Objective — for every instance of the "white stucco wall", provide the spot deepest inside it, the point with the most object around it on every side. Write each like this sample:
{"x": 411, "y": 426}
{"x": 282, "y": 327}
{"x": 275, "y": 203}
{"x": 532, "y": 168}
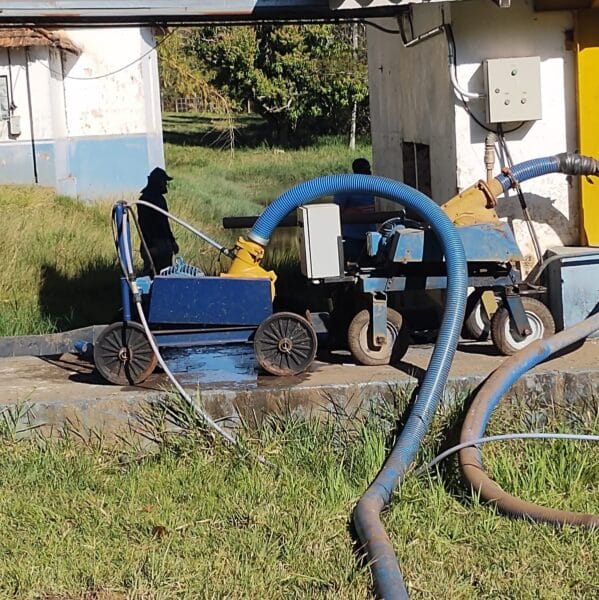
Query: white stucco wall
{"x": 99, "y": 104}
{"x": 96, "y": 117}
{"x": 409, "y": 94}
{"x": 412, "y": 99}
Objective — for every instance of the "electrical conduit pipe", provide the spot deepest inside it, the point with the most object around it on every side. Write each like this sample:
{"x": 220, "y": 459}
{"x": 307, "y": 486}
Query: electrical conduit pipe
{"x": 387, "y": 576}
{"x": 481, "y": 410}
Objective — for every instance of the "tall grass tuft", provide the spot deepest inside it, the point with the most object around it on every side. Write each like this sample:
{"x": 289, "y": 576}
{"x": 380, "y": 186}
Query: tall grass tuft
{"x": 59, "y": 269}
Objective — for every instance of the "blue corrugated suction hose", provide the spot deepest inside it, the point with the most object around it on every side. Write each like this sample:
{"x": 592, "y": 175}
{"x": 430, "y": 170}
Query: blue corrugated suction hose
{"x": 387, "y": 576}
{"x": 566, "y": 163}
{"x": 479, "y": 413}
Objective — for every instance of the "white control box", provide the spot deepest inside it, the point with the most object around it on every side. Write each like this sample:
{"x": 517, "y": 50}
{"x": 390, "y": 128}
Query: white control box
{"x": 513, "y": 89}
{"x": 321, "y": 244}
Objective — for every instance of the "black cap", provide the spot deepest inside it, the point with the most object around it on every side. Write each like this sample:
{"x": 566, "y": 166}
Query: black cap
{"x": 361, "y": 166}
{"x": 159, "y": 174}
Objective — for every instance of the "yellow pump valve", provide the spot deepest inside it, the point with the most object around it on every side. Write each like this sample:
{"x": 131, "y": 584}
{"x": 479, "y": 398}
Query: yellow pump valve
{"x": 248, "y": 256}
{"x": 475, "y": 204}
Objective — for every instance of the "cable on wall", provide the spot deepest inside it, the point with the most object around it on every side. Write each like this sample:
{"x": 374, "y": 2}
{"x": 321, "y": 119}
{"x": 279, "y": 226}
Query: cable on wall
{"x": 116, "y": 71}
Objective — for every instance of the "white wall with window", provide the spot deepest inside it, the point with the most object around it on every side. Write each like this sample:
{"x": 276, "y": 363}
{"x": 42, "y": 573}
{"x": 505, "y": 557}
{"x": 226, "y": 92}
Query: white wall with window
{"x": 414, "y": 106}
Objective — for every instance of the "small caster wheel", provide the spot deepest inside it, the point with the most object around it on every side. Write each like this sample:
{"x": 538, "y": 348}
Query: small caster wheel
{"x": 507, "y": 340}
{"x": 477, "y": 324}
{"x": 398, "y": 339}
{"x": 123, "y": 355}
{"x": 285, "y": 344}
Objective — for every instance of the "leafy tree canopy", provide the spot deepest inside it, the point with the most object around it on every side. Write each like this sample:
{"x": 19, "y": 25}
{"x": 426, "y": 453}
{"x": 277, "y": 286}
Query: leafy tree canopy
{"x": 181, "y": 74}
{"x": 290, "y": 74}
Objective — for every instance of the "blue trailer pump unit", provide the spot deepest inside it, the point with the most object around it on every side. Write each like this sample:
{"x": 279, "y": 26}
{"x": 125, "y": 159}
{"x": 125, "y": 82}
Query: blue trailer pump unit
{"x": 369, "y": 303}
{"x": 184, "y": 307}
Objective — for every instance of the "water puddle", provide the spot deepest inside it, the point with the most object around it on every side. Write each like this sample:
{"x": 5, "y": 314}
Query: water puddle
{"x": 231, "y": 364}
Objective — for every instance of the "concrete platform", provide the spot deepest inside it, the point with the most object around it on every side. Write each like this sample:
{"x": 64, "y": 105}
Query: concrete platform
{"x": 49, "y": 393}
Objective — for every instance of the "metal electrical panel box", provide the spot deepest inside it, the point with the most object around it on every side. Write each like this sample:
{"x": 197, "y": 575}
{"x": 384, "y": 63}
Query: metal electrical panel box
{"x": 513, "y": 89}
{"x": 321, "y": 244}
{"x": 573, "y": 283}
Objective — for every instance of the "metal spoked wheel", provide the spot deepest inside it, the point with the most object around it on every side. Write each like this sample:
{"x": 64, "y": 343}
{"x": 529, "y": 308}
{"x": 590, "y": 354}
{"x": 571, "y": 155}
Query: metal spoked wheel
{"x": 507, "y": 340}
{"x": 123, "y": 355}
{"x": 285, "y": 344}
{"x": 398, "y": 339}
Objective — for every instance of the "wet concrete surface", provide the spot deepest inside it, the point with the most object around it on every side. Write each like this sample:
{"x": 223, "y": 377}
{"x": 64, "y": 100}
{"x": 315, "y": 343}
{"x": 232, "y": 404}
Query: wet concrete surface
{"x": 59, "y": 390}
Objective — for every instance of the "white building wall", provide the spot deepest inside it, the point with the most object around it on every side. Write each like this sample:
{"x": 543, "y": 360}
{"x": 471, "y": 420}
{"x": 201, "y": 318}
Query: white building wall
{"x": 17, "y": 163}
{"x": 99, "y": 104}
{"x": 409, "y": 96}
{"x": 415, "y": 100}
{"x": 519, "y": 31}
{"x": 151, "y": 92}
{"x": 96, "y": 117}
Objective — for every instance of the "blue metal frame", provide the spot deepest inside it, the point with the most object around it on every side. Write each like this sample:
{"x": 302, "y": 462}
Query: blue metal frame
{"x": 123, "y": 246}
{"x": 401, "y": 283}
{"x": 206, "y": 337}
{"x": 409, "y": 258}
{"x": 517, "y": 314}
{"x": 487, "y": 242}
{"x": 378, "y": 328}
{"x": 186, "y": 310}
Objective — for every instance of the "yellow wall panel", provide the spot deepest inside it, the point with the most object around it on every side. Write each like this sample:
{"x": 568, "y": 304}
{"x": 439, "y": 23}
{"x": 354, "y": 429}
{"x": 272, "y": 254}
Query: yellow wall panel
{"x": 587, "y": 51}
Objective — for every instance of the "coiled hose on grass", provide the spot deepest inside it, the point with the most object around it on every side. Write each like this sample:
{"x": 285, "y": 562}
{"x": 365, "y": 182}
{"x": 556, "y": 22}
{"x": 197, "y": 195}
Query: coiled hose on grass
{"x": 514, "y": 367}
{"x": 479, "y": 413}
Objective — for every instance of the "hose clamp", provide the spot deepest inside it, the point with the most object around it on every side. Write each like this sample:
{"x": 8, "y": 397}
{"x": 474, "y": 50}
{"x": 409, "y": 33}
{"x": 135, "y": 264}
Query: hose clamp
{"x": 508, "y": 173}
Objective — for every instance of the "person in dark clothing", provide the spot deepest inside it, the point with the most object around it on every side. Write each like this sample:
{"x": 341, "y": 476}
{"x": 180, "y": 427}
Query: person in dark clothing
{"x": 155, "y": 227}
{"x": 355, "y": 203}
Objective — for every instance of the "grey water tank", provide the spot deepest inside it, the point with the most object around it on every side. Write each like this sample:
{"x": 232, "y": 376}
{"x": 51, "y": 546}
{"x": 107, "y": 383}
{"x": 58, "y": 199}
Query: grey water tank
{"x": 573, "y": 284}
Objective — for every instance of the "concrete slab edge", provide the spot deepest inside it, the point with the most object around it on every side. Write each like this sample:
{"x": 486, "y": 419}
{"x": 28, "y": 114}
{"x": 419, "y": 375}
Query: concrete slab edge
{"x": 122, "y": 414}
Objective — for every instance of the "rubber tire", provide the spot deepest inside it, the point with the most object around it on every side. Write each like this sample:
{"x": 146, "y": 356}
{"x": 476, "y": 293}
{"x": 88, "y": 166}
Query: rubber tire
{"x": 500, "y": 326}
{"x": 108, "y": 347}
{"x": 357, "y": 337}
{"x": 477, "y": 325}
{"x": 268, "y": 338}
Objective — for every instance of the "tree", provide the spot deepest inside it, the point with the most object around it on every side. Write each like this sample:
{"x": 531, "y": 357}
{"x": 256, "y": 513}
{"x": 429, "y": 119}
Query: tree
{"x": 293, "y": 75}
{"x": 181, "y": 74}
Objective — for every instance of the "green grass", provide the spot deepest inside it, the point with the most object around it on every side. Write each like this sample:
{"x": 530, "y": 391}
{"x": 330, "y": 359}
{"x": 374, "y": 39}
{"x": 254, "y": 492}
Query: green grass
{"x": 193, "y": 519}
{"x": 59, "y": 269}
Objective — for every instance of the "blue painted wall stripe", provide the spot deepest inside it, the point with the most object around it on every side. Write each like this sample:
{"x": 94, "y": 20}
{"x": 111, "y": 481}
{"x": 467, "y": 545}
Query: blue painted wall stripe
{"x": 99, "y": 167}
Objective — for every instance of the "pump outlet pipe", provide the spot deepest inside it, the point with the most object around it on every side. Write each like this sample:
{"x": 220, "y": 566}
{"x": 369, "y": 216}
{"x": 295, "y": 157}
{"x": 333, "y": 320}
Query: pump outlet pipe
{"x": 476, "y": 204}
{"x": 482, "y": 408}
